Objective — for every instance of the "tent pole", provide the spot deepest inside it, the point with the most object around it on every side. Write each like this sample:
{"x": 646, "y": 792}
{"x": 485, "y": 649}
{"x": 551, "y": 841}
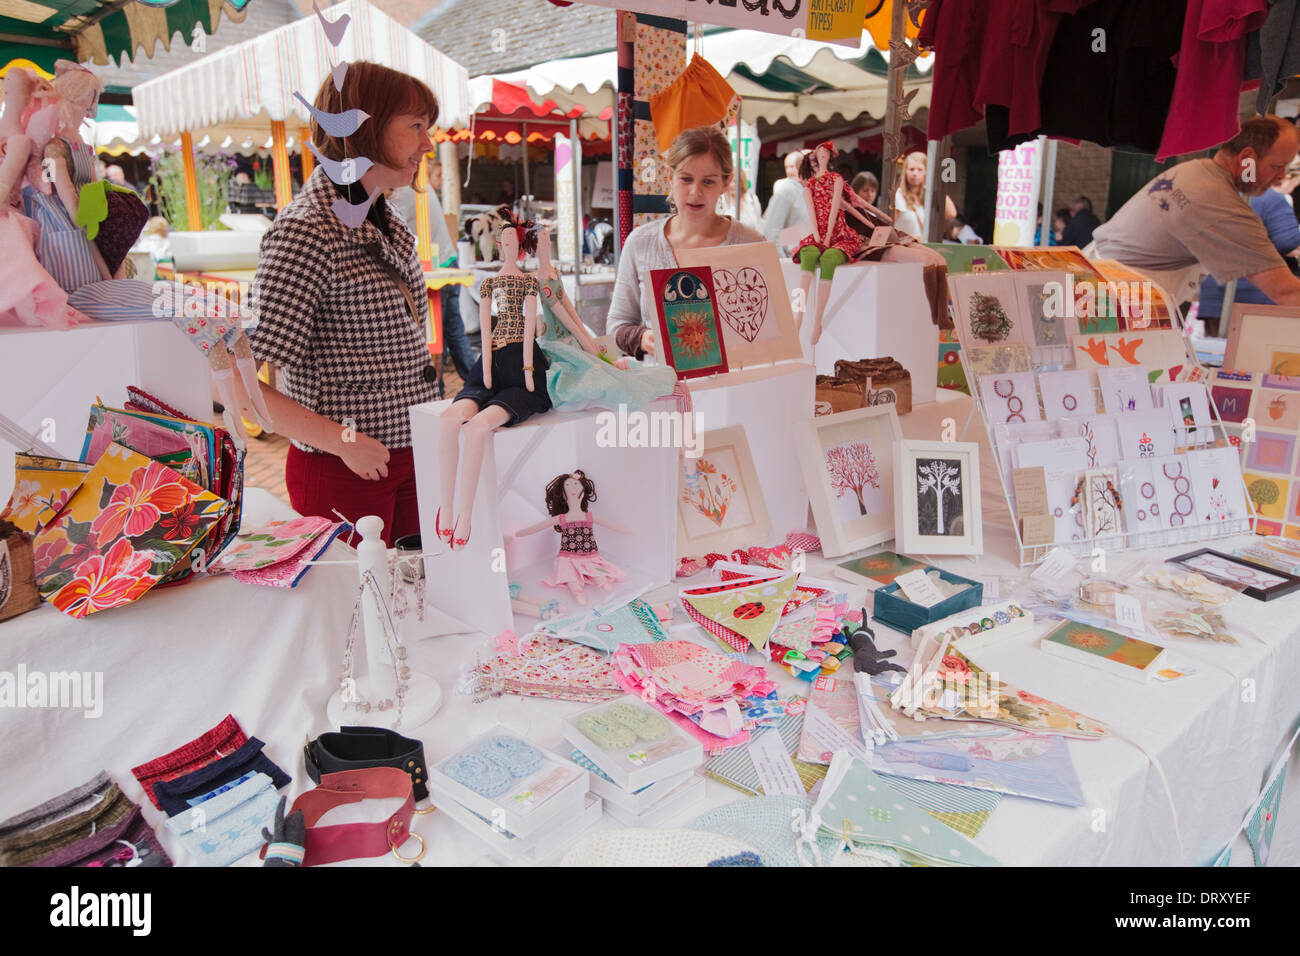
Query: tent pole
{"x": 893, "y": 101}
{"x": 308, "y": 160}
{"x": 1049, "y": 188}
{"x": 575, "y": 164}
{"x": 739, "y": 171}
{"x": 280, "y": 165}
{"x": 450, "y": 177}
{"x": 523, "y": 128}
{"x": 423, "y": 240}
{"x": 192, "y": 210}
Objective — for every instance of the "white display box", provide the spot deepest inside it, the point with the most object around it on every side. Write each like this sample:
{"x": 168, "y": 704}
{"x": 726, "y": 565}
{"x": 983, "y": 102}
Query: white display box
{"x": 552, "y": 794}
{"x": 876, "y": 309}
{"x": 52, "y": 377}
{"x": 682, "y": 797}
{"x": 635, "y": 801}
{"x": 642, "y": 762}
{"x": 769, "y": 400}
{"x": 635, "y": 487}
{"x": 534, "y": 850}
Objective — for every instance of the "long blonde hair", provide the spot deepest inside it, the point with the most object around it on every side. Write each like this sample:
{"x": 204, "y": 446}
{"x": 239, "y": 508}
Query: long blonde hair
{"x": 915, "y": 199}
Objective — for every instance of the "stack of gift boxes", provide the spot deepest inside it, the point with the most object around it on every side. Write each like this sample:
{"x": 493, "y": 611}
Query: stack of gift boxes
{"x": 642, "y": 765}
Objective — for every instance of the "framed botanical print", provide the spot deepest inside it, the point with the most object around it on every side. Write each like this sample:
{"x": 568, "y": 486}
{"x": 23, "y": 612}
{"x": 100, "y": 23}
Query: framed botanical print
{"x": 937, "y": 498}
{"x": 720, "y": 505}
{"x": 752, "y": 302}
{"x": 1253, "y": 580}
{"x": 690, "y": 338}
{"x": 1263, "y": 338}
{"x": 848, "y": 469}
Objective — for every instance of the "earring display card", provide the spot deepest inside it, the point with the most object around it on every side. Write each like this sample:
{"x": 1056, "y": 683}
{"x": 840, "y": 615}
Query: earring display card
{"x": 1067, "y": 393}
{"x": 1217, "y": 487}
{"x": 1145, "y": 435}
{"x": 1010, "y": 399}
{"x": 1101, "y": 434}
{"x": 996, "y": 359}
{"x": 1188, "y": 407}
{"x": 1174, "y": 491}
{"x": 1103, "y": 504}
{"x": 1125, "y": 389}
{"x": 1142, "y": 511}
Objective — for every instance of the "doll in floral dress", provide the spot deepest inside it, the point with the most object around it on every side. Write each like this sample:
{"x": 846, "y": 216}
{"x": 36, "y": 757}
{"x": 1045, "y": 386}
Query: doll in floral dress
{"x": 578, "y": 563}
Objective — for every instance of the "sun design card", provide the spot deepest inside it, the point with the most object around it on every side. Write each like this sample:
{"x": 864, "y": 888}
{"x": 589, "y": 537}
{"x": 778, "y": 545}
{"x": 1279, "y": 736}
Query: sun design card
{"x": 690, "y": 337}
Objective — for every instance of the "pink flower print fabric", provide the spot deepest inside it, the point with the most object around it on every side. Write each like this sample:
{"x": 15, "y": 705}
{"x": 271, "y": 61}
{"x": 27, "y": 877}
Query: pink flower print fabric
{"x": 536, "y": 666}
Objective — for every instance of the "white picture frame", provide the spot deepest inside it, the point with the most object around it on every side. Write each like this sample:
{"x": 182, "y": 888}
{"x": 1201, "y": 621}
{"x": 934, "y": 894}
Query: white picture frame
{"x": 730, "y": 510}
{"x": 848, "y": 464}
{"x": 952, "y": 472}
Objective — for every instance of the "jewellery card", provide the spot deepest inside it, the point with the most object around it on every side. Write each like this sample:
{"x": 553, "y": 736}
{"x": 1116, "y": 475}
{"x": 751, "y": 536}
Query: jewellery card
{"x": 1217, "y": 487}
{"x": 1103, "y": 503}
{"x": 1188, "y": 407}
{"x": 1174, "y": 491}
{"x": 1125, "y": 389}
{"x": 1101, "y": 434}
{"x": 1142, "y": 510}
{"x": 1010, "y": 399}
{"x": 996, "y": 359}
{"x": 1145, "y": 435}
{"x": 1067, "y": 393}
{"x": 1048, "y": 314}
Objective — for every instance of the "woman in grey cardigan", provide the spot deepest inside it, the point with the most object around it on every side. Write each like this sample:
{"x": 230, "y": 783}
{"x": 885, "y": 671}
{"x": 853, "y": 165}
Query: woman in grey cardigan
{"x": 701, "y": 163}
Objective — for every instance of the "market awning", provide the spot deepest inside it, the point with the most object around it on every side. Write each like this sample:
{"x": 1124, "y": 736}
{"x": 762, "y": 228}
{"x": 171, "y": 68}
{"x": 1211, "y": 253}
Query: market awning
{"x": 44, "y": 31}
{"x": 236, "y": 93}
{"x": 780, "y": 78}
{"x": 502, "y": 107}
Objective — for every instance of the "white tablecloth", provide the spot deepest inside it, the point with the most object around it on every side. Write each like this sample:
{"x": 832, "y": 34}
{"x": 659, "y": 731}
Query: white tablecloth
{"x": 178, "y": 661}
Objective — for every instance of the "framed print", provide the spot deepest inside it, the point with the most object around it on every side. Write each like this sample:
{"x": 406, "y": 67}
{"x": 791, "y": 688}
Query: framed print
{"x": 752, "y": 302}
{"x": 1232, "y": 393}
{"x": 937, "y": 498}
{"x": 986, "y": 310}
{"x": 690, "y": 339}
{"x": 1263, "y": 338}
{"x": 848, "y": 469}
{"x": 1254, "y": 580}
{"x": 720, "y": 505}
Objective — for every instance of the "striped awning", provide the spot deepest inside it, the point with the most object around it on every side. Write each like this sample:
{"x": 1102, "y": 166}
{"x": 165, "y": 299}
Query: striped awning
{"x": 43, "y": 31}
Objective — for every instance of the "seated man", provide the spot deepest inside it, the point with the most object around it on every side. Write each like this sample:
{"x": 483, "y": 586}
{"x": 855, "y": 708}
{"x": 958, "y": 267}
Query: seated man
{"x": 1197, "y": 213}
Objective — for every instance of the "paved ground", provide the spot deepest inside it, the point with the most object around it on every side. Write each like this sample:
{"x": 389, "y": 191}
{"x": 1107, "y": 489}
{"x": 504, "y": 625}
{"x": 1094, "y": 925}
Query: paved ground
{"x": 264, "y": 464}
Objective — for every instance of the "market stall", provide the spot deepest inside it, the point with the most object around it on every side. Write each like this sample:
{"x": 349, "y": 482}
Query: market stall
{"x": 1043, "y": 624}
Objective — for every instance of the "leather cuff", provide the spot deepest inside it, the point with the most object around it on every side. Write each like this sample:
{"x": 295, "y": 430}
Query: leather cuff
{"x": 363, "y": 748}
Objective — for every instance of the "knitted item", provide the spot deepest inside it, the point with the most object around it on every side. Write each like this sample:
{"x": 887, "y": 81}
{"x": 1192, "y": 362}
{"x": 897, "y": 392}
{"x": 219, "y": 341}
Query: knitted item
{"x": 485, "y": 777}
{"x": 740, "y": 859}
{"x": 521, "y": 759}
{"x": 645, "y": 723}
{"x": 287, "y": 845}
{"x": 661, "y": 848}
{"x": 606, "y": 734}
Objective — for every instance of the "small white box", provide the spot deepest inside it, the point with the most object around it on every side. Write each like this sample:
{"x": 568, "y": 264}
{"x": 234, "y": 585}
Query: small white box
{"x": 529, "y": 804}
{"x": 649, "y": 755}
{"x": 632, "y": 801}
{"x": 680, "y": 798}
{"x": 523, "y": 850}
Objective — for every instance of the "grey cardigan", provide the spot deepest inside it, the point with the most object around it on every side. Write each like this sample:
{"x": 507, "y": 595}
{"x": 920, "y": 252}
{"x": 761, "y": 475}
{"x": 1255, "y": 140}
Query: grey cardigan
{"x": 647, "y": 248}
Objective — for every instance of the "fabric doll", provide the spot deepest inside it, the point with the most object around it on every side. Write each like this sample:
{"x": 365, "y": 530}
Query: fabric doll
{"x": 501, "y": 389}
{"x": 28, "y": 293}
{"x": 833, "y": 240}
{"x": 578, "y": 562}
{"x": 580, "y": 375}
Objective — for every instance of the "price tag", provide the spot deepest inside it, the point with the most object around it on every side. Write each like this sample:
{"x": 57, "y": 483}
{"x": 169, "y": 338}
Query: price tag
{"x": 990, "y": 588}
{"x": 1057, "y": 564}
{"x": 919, "y": 588}
{"x": 830, "y": 735}
{"x": 1128, "y": 612}
{"x": 776, "y": 773}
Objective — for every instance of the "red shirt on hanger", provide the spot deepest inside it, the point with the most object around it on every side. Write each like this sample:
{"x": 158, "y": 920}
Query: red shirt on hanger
{"x": 1211, "y": 65}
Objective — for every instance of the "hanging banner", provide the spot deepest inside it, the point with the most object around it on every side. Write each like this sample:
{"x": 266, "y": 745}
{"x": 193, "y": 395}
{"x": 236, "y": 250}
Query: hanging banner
{"x": 748, "y": 135}
{"x": 1019, "y": 174}
{"x": 565, "y": 198}
{"x": 831, "y": 21}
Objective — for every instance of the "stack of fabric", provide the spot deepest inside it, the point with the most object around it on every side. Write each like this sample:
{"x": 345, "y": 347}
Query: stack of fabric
{"x": 218, "y": 791}
{"x": 700, "y": 690}
{"x": 94, "y": 824}
{"x": 540, "y": 666}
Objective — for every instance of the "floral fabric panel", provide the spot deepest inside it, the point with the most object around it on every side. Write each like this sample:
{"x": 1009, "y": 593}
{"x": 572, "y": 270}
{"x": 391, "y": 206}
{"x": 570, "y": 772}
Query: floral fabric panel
{"x": 537, "y": 666}
{"x": 42, "y": 486}
{"x": 131, "y": 521}
{"x": 288, "y": 572}
{"x": 278, "y": 541}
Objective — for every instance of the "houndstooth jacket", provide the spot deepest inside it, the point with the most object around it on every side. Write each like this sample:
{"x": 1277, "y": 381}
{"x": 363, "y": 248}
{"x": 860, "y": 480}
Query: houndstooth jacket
{"x": 326, "y": 312}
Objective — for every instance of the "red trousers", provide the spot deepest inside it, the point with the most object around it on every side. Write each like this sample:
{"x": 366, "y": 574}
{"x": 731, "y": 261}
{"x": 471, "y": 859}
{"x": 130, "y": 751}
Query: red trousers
{"x": 320, "y": 484}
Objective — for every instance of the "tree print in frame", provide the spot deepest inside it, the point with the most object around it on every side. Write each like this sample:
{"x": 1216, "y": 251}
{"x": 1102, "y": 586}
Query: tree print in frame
{"x": 937, "y": 502}
{"x": 690, "y": 336}
{"x": 720, "y": 504}
{"x": 847, "y": 460}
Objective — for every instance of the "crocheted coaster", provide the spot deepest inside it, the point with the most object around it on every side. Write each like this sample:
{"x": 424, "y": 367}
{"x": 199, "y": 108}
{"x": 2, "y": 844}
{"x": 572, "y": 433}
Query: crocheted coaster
{"x": 485, "y": 777}
{"x": 642, "y": 721}
{"x": 520, "y": 759}
{"x": 605, "y": 733}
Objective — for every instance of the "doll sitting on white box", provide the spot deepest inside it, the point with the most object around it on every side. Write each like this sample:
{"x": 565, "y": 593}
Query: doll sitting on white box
{"x": 578, "y": 563}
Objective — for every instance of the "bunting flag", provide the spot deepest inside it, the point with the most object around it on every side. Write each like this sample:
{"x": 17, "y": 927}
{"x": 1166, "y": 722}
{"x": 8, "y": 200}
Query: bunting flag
{"x": 741, "y": 613}
{"x": 1262, "y": 821}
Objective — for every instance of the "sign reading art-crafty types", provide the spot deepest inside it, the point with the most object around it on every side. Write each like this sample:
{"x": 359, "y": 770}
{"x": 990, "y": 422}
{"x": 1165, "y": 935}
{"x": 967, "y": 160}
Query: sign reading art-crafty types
{"x": 1019, "y": 172}
{"x": 832, "y": 21}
